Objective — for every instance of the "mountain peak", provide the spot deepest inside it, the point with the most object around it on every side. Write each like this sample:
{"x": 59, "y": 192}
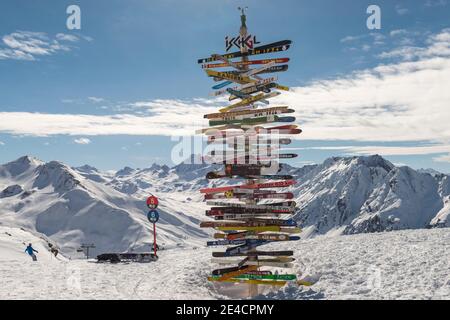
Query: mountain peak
{"x": 86, "y": 169}
{"x": 125, "y": 171}
{"x": 342, "y": 195}
{"x": 21, "y": 165}
{"x": 430, "y": 171}
{"x": 155, "y": 166}
{"x": 24, "y": 159}
{"x": 376, "y": 161}
{"x": 27, "y": 160}
{"x": 57, "y": 174}
{"x": 371, "y": 161}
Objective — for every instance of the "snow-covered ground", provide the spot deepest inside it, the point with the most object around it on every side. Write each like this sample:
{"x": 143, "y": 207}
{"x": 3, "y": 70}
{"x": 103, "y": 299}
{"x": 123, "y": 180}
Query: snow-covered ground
{"x": 72, "y": 206}
{"x": 410, "y": 264}
{"x": 58, "y": 201}
{"x": 66, "y": 207}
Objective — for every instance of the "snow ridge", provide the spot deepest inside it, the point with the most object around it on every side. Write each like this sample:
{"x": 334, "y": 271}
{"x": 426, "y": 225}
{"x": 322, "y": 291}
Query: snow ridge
{"x": 343, "y": 195}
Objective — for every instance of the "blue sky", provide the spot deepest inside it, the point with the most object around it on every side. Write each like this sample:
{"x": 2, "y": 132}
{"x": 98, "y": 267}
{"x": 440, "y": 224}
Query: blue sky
{"x": 113, "y": 93}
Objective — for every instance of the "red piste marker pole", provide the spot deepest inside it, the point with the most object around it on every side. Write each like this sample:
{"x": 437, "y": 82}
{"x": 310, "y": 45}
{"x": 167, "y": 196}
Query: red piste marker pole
{"x": 153, "y": 217}
{"x": 154, "y": 238}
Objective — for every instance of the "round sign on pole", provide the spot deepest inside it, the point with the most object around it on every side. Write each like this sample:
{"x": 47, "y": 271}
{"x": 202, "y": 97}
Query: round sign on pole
{"x": 153, "y": 216}
{"x": 152, "y": 202}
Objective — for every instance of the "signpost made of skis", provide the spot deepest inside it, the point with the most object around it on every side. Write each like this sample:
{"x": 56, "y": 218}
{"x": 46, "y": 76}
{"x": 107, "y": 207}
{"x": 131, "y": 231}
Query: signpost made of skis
{"x": 251, "y": 213}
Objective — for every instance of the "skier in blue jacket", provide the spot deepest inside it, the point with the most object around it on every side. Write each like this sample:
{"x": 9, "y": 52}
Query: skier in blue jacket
{"x": 31, "y": 252}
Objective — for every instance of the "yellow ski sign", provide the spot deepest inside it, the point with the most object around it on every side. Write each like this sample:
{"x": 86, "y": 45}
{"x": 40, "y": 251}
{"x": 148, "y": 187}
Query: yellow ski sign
{"x": 250, "y": 100}
{"x": 231, "y": 77}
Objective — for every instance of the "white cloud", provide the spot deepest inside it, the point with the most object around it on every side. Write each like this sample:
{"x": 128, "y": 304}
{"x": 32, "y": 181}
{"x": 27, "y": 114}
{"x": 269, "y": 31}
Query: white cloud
{"x": 305, "y": 163}
{"x": 393, "y": 150}
{"x": 365, "y": 47}
{"x": 400, "y": 102}
{"x": 15, "y": 55}
{"x": 2, "y": 143}
{"x": 401, "y": 10}
{"x": 396, "y": 150}
{"x": 406, "y": 42}
{"x": 405, "y": 52}
{"x": 438, "y": 46}
{"x": 436, "y": 3}
{"x": 180, "y": 122}
{"x": 351, "y": 38}
{"x": 27, "y": 45}
{"x": 82, "y": 141}
{"x": 87, "y": 38}
{"x": 96, "y": 99}
{"x": 344, "y": 148}
{"x": 363, "y": 42}
{"x": 377, "y": 37}
{"x": 67, "y": 37}
{"x": 406, "y": 38}
{"x": 398, "y": 32}
{"x": 443, "y": 158}
{"x": 405, "y": 101}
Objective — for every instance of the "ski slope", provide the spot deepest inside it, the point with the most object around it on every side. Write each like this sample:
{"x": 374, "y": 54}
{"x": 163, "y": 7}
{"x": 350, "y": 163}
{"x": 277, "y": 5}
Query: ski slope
{"x": 60, "y": 202}
{"x": 13, "y": 242}
{"x": 409, "y": 264}
{"x": 72, "y": 206}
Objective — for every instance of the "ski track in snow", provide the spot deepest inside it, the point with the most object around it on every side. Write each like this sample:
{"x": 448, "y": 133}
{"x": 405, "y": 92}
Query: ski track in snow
{"x": 412, "y": 264}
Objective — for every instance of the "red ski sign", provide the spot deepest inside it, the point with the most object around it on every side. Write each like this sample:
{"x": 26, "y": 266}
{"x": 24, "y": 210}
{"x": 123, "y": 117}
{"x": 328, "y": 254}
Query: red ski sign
{"x": 152, "y": 202}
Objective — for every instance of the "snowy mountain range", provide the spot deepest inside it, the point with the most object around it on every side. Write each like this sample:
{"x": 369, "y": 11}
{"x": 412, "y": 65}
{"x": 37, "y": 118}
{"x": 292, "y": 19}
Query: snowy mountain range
{"x": 340, "y": 196}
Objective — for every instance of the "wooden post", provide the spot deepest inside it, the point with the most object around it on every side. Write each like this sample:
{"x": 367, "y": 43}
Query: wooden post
{"x": 253, "y": 288}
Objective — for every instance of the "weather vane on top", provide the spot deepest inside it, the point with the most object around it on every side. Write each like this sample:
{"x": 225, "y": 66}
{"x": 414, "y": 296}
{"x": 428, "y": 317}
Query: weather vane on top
{"x": 243, "y": 41}
{"x": 243, "y": 17}
{"x": 242, "y": 10}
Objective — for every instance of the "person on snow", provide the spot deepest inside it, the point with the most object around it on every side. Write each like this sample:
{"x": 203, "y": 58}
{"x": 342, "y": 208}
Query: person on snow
{"x": 31, "y": 252}
{"x": 53, "y": 249}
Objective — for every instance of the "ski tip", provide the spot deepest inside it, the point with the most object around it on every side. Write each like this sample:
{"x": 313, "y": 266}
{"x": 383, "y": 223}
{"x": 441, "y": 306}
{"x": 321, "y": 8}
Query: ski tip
{"x": 286, "y": 119}
{"x": 212, "y": 175}
{"x": 304, "y": 283}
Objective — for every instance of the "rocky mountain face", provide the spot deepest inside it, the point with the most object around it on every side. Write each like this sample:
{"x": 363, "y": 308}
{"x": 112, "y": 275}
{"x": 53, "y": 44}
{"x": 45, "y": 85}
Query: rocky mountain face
{"x": 340, "y": 196}
{"x": 369, "y": 194}
{"x": 74, "y": 206}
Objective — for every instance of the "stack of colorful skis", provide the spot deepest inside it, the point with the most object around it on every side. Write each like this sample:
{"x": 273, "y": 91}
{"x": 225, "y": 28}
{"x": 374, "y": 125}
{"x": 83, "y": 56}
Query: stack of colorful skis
{"x": 251, "y": 213}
